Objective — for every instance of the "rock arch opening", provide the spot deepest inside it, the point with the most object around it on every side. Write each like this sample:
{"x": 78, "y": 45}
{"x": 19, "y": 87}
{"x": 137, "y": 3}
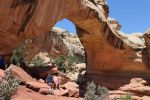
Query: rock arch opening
{"x": 57, "y": 46}
{"x": 75, "y": 53}
{"x": 107, "y": 49}
{"x": 67, "y": 25}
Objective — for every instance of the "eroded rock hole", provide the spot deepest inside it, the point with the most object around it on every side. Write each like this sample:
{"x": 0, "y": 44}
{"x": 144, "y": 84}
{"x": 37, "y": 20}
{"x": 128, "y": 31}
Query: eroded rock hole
{"x": 58, "y": 51}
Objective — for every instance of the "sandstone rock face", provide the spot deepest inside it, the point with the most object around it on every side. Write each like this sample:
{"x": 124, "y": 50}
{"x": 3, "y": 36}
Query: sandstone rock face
{"x": 60, "y": 92}
{"x": 55, "y": 42}
{"x": 2, "y": 73}
{"x": 21, "y": 74}
{"x": 79, "y": 70}
{"x": 71, "y": 41}
{"x": 146, "y": 51}
{"x": 44, "y": 56}
{"x": 137, "y": 88}
{"x": 51, "y": 42}
{"x": 40, "y": 86}
{"x": 73, "y": 90}
{"x": 41, "y": 72}
{"x": 24, "y": 93}
{"x": 35, "y": 85}
{"x": 106, "y": 48}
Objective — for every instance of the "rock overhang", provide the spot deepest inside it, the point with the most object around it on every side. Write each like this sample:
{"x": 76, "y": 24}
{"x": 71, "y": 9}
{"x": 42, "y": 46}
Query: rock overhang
{"x": 98, "y": 37}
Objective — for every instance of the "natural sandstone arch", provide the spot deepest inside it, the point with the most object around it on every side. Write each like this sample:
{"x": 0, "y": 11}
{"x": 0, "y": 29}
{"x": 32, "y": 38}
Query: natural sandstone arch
{"x": 106, "y": 49}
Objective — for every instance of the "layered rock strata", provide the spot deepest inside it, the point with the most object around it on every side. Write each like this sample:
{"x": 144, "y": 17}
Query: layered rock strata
{"x": 106, "y": 48}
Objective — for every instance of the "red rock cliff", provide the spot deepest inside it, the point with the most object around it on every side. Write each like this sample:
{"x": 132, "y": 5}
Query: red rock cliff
{"x": 107, "y": 49}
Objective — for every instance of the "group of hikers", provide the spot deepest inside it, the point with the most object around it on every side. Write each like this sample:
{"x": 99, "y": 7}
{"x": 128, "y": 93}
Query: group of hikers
{"x": 53, "y": 82}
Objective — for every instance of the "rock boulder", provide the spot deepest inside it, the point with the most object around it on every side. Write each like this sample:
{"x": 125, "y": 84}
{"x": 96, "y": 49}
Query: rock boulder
{"x": 21, "y": 74}
{"x": 2, "y": 73}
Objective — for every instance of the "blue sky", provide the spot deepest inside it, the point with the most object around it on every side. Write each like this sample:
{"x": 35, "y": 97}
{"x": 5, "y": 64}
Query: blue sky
{"x": 133, "y": 15}
{"x": 66, "y": 24}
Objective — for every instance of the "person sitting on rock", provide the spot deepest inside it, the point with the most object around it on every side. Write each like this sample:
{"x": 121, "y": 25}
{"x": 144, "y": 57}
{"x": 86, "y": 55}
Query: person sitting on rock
{"x": 49, "y": 80}
{"x": 57, "y": 81}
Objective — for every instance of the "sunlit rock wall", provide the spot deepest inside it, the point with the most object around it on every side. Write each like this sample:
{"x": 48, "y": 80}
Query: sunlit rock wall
{"x": 106, "y": 48}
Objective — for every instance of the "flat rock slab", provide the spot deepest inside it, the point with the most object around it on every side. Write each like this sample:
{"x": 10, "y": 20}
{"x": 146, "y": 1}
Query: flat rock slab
{"x": 21, "y": 74}
{"x": 24, "y": 93}
{"x": 35, "y": 85}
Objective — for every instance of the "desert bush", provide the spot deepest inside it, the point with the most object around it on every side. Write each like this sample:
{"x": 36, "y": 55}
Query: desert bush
{"x": 94, "y": 93}
{"x": 8, "y": 86}
{"x": 60, "y": 62}
{"x": 126, "y": 97}
{"x": 65, "y": 63}
{"x": 76, "y": 59}
{"x": 17, "y": 56}
{"x": 38, "y": 61}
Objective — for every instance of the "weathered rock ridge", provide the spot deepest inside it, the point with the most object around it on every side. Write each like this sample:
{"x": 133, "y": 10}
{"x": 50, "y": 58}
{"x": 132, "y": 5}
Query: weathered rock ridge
{"x": 71, "y": 41}
{"x": 56, "y": 42}
{"x": 106, "y": 48}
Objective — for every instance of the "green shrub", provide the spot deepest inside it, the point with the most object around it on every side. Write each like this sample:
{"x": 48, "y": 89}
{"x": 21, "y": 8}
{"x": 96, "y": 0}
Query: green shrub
{"x": 100, "y": 93}
{"x": 38, "y": 61}
{"x": 94, "y": 93}
{"x": 8, "y": 86}
{"x": 17, "y": 56}
{"x": 60, "y": 62}
{"x": 76, "y": 59}
{"x": 65, "y": 63}
{"x": 90, "y": 93}
{"x": 126, "y": 97}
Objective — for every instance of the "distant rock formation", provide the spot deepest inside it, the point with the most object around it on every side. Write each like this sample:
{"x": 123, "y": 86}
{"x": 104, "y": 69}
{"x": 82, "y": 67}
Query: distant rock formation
{"x": 71, "y": 41}
{"x": 146, "y": 51}
{"x": 56, "y": 42}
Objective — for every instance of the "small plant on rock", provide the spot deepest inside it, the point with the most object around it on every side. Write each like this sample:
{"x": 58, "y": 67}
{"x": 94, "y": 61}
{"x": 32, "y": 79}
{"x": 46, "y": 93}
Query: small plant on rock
{"x": 60, "y": 61}
{"x": 38, "y": 61}
{"x": 101, "y": 93}
{"x": 65, "y": 63}
{"x": 8, "y": 86}
{"x": 76, "y": 59}
{"x": 126, "y": 97}
{"x": 17, "y": 56}
{"x": 90, "y": 93}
